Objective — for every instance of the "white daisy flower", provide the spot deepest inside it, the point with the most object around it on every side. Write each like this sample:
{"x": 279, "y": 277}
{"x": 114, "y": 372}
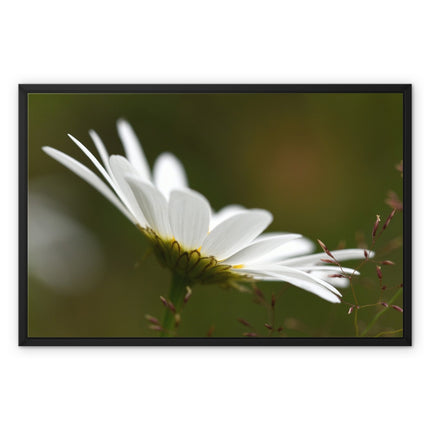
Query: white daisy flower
{"x": 196, "y": 244}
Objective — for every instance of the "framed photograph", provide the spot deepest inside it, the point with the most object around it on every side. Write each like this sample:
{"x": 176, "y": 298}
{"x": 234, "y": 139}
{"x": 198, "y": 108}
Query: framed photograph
{"x": 215, "y": 215}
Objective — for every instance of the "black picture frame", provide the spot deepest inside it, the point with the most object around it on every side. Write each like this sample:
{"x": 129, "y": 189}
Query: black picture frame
{"x": 26, "y": 89}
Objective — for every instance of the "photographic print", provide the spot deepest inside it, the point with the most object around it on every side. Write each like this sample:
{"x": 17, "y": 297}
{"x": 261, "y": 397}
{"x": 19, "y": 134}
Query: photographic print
{"x": 215, "y": 215}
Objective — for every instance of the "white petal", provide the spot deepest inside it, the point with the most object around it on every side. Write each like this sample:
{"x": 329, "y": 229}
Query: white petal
{"x": 101, "y": 150}
{"x": 259, "y": 248}
{"x": 269, "y": 235}
{"x": 122, "y": 188}
{"x": 235, "y": 233}
{"x": 300, "y": 279}
{"x": 94, "y": 160}
{"x": 88, "y": 176}
{"x": 336, "y": 282}
{"x": 291, "y": 271}
{"x": 133, "y": 149}
{"x": 225, "y": 213}
{"x": 296, "y": 247}
{"x": 331, "y": 269}
{"x": 121, "y": 169}
{"x": 340, "y": 255}
{"x": 189, "y": 214}
{"x": 310, "y": 287}
{"x": 153, "y": 205}
{"x": 169, "y": 174}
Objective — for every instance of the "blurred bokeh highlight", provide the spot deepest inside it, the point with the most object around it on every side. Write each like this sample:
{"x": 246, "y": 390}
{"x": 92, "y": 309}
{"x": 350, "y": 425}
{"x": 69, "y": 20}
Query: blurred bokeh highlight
{"x": 321, "y": 163}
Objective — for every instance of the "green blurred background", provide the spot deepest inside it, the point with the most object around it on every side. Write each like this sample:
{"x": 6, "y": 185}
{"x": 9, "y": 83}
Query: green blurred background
{"x": 321, "y": 163}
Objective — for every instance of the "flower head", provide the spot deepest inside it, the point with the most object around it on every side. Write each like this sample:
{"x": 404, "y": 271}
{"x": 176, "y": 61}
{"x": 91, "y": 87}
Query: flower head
{"x": 198, "y": 244}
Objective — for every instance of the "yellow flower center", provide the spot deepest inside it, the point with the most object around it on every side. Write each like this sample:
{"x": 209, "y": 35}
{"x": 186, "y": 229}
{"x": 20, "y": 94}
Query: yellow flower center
{"x": 191, "y": 265}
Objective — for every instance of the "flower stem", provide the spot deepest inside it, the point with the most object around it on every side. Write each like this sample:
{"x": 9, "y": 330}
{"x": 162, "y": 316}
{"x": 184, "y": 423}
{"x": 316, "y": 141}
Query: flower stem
{"x": 176, "y": 298}
{"x": 376, "y": 317}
